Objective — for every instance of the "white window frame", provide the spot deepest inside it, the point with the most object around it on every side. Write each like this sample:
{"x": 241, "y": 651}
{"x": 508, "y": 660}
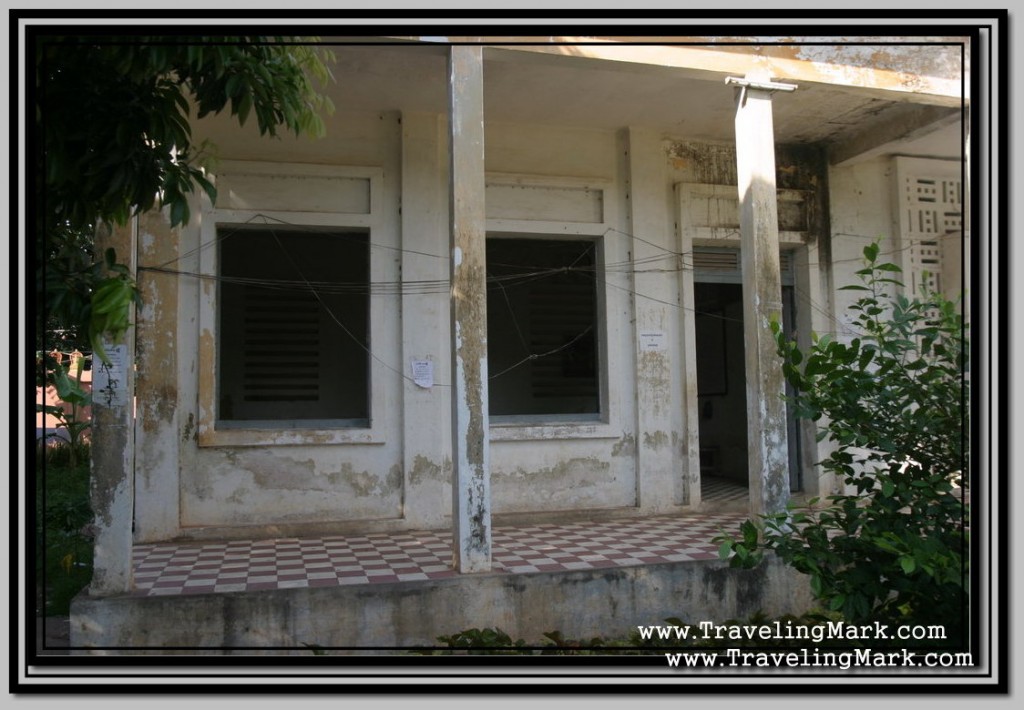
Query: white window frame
{"x": 546, "y": 222}
{"x": 211, "y": 432}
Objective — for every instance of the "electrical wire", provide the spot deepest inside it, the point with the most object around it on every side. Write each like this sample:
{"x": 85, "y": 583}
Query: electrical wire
{"x": 679, "y": 262}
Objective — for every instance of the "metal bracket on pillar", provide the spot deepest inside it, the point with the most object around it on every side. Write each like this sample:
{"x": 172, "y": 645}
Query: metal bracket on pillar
{"x": 744, "y": 84}
{"x": 760, "y": 85}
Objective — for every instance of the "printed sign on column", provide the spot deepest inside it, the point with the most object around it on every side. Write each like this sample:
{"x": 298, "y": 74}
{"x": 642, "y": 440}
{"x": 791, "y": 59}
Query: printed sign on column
{"x": 110, "y": 381}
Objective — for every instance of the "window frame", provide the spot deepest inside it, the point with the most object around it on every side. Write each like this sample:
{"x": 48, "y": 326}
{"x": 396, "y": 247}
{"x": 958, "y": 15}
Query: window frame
{"x": 286, "y": 232}
{"x": 211, "y": 431}
{"x": 600, "y": 330}
{"x": 549, "y": 220}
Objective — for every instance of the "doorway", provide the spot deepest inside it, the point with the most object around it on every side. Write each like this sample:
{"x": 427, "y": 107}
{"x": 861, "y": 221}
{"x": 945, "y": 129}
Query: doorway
{"x": 722, "y": 384}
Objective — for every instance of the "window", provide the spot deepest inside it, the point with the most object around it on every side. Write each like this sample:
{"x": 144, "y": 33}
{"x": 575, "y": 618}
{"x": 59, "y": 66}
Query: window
{"x": 542, "y": 344}
{"x": 294, "y": 327}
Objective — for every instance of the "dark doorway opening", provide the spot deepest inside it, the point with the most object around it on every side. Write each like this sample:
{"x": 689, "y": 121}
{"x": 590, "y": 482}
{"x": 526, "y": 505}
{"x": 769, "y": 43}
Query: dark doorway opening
{"x": 721, "y": 390}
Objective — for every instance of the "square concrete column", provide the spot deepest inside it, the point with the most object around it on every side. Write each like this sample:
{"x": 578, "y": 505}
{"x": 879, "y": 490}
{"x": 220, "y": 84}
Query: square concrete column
{"x": 658, "y": 380}
{"x": 427, "y": 437}
{"x": 471, "y": 490}
{"x": 112, "y": 479}
{"x": 767, "y": 434}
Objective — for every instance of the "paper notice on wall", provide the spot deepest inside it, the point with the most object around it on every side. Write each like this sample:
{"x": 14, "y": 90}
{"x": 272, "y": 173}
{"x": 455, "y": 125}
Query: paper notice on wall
{"x": 110, "y": 380}
{"x": 652, "y": 341}
{"x": 423, "y": 373}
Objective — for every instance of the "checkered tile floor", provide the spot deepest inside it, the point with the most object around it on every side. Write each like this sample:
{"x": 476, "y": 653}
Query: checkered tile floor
{"x": 407, "y": 557}
{"x": 721, "y": 490}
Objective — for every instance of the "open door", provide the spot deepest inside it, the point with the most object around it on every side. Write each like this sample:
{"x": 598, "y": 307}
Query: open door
{"x": 721, "y": 376}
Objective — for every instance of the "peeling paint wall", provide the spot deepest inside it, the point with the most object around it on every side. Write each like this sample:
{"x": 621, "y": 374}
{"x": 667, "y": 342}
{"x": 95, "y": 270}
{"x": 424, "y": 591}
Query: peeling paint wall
{"x": 565, "y": 475}
{"x": 159, "y": 414}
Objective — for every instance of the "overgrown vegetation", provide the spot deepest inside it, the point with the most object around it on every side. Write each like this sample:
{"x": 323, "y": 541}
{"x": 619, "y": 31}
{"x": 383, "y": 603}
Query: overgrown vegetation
{"x": 63, "y": 545}
{"x": 893, "y": 545}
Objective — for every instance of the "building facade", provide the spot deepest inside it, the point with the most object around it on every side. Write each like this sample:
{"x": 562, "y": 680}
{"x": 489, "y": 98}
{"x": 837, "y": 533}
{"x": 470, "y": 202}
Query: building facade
{"x": 523, "y": 282}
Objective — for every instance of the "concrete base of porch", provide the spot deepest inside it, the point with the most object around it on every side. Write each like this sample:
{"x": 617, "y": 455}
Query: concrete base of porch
{"x": 394, "y": 618}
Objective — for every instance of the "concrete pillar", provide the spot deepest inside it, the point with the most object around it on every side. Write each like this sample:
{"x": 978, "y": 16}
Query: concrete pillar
{"x": 113, "y": 442}
{"x": 660, "y": 483}
{"x": 427, "y": 437}
{"x": 762, "y": 293}
{"x": 688, "y": 353}
{"x": 162, "y": 424}
{"x": 471, "y": 497}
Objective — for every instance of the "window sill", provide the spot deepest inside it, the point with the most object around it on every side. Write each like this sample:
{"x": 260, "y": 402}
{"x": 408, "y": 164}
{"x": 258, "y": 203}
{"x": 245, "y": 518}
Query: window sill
{"x": 519, "y": 429}
{"x": 286, "y": 434}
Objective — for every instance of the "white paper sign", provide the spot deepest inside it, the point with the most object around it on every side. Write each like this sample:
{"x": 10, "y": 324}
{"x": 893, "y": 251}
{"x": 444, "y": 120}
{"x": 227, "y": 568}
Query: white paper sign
{"x": 110, "y": 382}
{"x": 652, "y": 341}
{"x": 423, "y": 373}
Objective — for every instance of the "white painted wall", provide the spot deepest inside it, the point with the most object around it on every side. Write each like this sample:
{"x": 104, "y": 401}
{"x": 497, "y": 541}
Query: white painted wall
{"x": 862, "y": 211}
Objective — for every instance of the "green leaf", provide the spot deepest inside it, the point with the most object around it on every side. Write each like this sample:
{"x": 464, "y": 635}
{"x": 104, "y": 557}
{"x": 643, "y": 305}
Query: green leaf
{"x": 908, "y": 564}
{"x": 244, "y": 107}
{"x": 179, "y": 211}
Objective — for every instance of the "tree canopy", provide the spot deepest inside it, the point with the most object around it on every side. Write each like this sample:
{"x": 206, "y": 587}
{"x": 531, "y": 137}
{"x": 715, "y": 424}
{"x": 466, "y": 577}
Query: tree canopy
{"x": 113, "y": 124}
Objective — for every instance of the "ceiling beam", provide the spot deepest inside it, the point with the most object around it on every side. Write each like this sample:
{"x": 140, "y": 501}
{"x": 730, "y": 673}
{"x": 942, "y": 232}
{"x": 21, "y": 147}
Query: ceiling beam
{"x": 890, "y": 68}
{"x": 905, "y": 123}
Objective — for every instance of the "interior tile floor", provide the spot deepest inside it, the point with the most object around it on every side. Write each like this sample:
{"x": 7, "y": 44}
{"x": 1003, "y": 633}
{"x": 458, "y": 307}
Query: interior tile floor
{"x": 717, "y": 489}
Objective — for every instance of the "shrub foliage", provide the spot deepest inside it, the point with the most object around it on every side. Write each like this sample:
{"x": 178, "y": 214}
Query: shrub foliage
{"x": 892, "y": 546}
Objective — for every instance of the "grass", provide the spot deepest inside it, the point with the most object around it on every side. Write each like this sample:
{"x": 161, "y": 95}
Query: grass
{"x": 63, "y": 551}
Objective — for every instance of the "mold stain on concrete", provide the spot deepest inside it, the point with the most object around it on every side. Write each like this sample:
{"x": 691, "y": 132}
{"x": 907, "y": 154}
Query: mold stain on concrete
{"x": 571, "y": 474}
{"x": 655, "y": 440}
{"x": 703, "y": 163}
{"x": 423, "y": 470}
{"x": 365, "y": 484}
{"x": 272, "y": 472}
{"x": 189, "y": 430}
{"x": 626, "y": 446}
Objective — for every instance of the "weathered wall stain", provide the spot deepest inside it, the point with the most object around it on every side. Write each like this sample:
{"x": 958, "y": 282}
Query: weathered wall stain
{"x": 626, "y": 446}
{"x": 364, "y": 483}
{"x": 424, "y": 470}
{"x": 706, "y": 163}
{"x": 269, "y": 471}
{"x": 798, "y": 167}
{"x": 655, "y": 440}
{"x": 580, "y": 472}
{"x": 188, "y": 431}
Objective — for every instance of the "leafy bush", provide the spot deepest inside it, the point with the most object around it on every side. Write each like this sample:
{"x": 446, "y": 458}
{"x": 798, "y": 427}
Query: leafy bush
{"x": 892, "y": 547}
{"x": 63, "y": 549}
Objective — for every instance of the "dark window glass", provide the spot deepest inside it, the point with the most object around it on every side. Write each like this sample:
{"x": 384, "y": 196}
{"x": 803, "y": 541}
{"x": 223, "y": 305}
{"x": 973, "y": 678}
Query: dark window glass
{"x": 294, "y": 325}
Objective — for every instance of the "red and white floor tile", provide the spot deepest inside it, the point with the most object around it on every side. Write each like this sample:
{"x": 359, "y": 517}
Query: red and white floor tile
{"x": 240, "y": 566}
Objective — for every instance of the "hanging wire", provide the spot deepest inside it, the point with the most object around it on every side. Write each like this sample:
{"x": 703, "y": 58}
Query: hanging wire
{"x": 678, "y": 262}
{"x": 537, "y": 356}
{"x": 330, "y": 312}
